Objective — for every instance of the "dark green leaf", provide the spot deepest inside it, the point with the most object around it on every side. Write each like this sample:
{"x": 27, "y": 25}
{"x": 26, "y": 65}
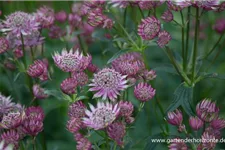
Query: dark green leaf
{"x": 117, "y": 55}
{"x": 17, "y": 77}
{"x": 182, "y": 97}
{"x": 168, "y": 69}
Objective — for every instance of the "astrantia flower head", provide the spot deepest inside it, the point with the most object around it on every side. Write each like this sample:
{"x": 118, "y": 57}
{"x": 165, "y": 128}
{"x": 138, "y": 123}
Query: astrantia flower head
{"x": 36, "y": 69}
{"x": 6, "y": 105}
{"x": 163, "y": 38}
{"x": 101, "y": 116}
{"x": 150, "y": 4}
{"x": 207, "y": 110}
{"x": 116, "y": 131}
{"x": 221, "y": 7}
{"x": 218, "y": 124}
{"x": 92, "y": 68}
{"x": 68, "y": 86}
{"x": 96, "y": 18}
{"x": 94, "y": 3}
{"x": 167, "y": 16}
{"x": 207, "y": 141}
{"x": 61, "y": 16}
{"x": 149, "y": 75}
{"x": 74, "y": 125}
{"x": 39, "y": 92}
{"x": 126, "y": 108}
{"x": 149, "y": 28}
{"x": 35, "y": 113}
{"x": 175, "y": 118}
{"x": 74, "y": 20}
{"x": 4, "y": 45}
{"x": 32, "y": 127}
{"x": 108, "y": 83}
{"x": 18, "y": 53}
{"x": 20, "y": 23}
{"x": 129, "y": 64}
{"x": 177, "y": 5}
{"x": 120, "y": 3}
{"x": 215, "y": 132}
{"x": 45, "y": 16}
{"x": 13, "y": 119}
{"x": 83, "y": 144}
{"x": 77, "y": 110}
{"x": 220, "y": 26}
{"x": 177, "y": 144}
{"x": 108, "y": 23}
{"x": 56, "y": 32}
{"x": 10, "y": 137}
{"x": 70, "y": 61}
{"x": 144, "y": 92}
{"x": 195, "y": 123}
{"x": 81, "y": 77}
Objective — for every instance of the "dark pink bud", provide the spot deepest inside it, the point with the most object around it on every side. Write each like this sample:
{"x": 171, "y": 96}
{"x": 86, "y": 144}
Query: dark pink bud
{"x": 61, "y": 16}
{"x": 68, "y": 86}
{"x": 18, "y": 53}
{"x": 175, "y": 118}
{"x": 39, "y": 92}
{"x": 195, "y": 123}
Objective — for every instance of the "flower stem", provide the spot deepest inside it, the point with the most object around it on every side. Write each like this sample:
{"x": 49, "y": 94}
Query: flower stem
{"x": 32, "y": 53}
{"x": 214, "y": 47}
{"x": 183, "y": 44}
{"x": 187, "y": 38}
{"x": 23, "y": 48}
{"x": 195, "y": 45}
{"x": 142, "y": 14}
{"x": 34, "y": 143}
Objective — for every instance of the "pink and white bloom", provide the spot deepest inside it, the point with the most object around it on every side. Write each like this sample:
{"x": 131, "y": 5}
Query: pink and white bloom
{"x": 71, "y": 61}
{"x": 149, "y": 28}
{"x": 108, "y": 83}
{"x": 144, "y": 92}
{"x": 175, "y": 118}
{"x": 101, "y": 116}
{"x": 195, "y": 123}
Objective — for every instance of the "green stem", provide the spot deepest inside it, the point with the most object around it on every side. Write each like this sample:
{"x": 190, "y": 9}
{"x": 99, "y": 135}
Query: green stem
{"x": 214, "y": 47}
{"x": 142, "y": 14}
{"x": 195, "y": 45}
{"x": 115, "y": 146}
{"x": 183, "y": 44}
{"x": 82, "y": 45}
{"x": 176, "y": 66}
{"x": 34, "y": 143}
{"x": 187, "y": 38}
{"x": 125, "y": 17}
{"x": 32, "y": 54}
{"x": 23, "y": 48}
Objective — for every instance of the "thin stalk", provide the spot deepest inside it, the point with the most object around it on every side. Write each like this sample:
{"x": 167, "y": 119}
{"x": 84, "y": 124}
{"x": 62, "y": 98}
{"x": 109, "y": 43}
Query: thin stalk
{"x": 154, "y": 13}
{"x": 34, "y": 143}
{"x": 187, "y": 37}
{"x": 214, "y": 47}
{"x": 81, "y": 44}
{"x": 115, "y": 146}
{"x": 32, "y": 54}
{"x": 42, "y": 50}
{"x": 195, "y": 45}
{"x": 176, "y": 66}
{"x": 142, "y": 14}
{"x": 183, "y": 44}
{"x": 23, "y": 48}
{"x": 125, "y": 17}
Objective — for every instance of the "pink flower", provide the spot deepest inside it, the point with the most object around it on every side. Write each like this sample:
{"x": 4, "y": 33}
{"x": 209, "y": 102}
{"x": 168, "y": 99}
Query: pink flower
{"x": 39, "y": 92}
{"x": 167, "y": 16}
{"x": 10, "y": 137}
{"x": 56, "y": 32}
{"x": 18, "y": 53}
{"x": 108, "y": 83}
{"x": 195, "y": 123}
{"x": 149, "y": 28}
{"x": 36, "y": 69}
{"x": 70, "y": 61}
{"x": 163, "y": 38}
{"x": 61, "y": 16}
{"x": 81, "y": 77}
{"x": 149, "y": 75}
{"x": 77, "y": 110}
{"x": 74, "y": 20}
{"x": 218, "y": 124}
{"x": 116, "y": 131}
{"x": 96, "y": 18}
{"x": 83, "y": 144}
{"x": 220, "y": 26}
{"x": 68, "y": 86}
{"x": 74, "y": 125}
{"x": 177, "y": 144}
{"x": 175, "y": 118}
{"x": 144, "y": 92}
{"x": 45, "y": 16}
{"x": 126, "y": 108}
{"x": 207, "y": 110}
{"x": 4, "y": 45}
{"x": 101, "y": 116}
{"x": 207, "y": 141}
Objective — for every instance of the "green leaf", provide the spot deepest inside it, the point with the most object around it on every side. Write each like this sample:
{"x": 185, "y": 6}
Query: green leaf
{"x": 57, "y": 94}
{"x": 17, "y": 77}
{"x": 205, "y": 75}
{"x": 117, "y": 55}
{"x": 182, "y": 97}
{"x": 152, "y": 145}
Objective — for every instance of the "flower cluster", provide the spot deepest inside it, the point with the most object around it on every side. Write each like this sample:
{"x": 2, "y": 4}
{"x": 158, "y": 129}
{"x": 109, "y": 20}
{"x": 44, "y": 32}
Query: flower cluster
{"x": 207, "y": 117}
{"x": 18, "y": 122}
